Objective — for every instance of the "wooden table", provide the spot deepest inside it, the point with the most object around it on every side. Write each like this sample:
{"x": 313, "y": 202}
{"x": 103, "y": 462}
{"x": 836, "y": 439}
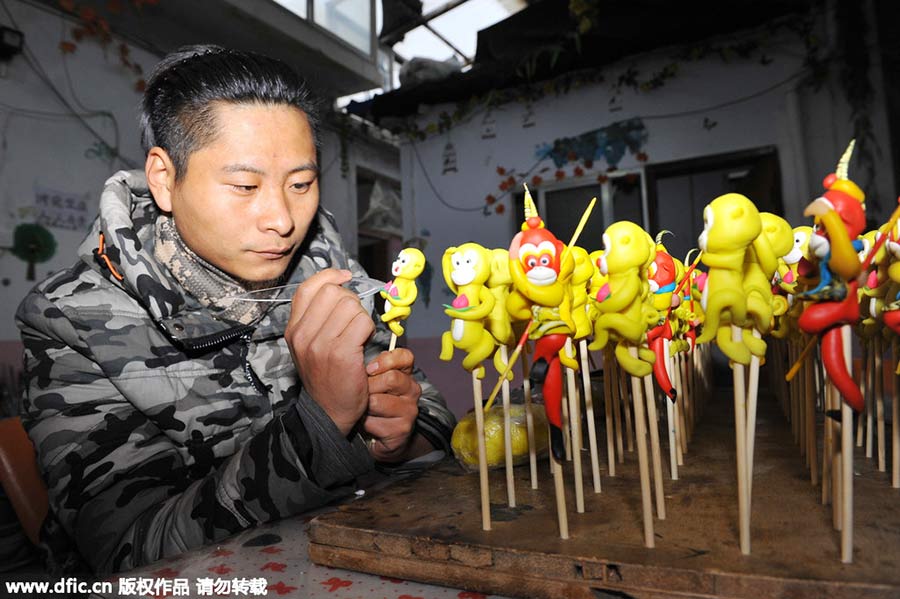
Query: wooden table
{"x": 429, "y": 529}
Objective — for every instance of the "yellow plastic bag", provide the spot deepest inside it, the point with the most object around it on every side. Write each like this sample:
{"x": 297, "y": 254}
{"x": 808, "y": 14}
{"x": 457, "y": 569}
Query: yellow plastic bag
{"x": 465, "y": 442}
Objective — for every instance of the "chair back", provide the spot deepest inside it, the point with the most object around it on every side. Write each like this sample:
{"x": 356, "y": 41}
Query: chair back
{"x": 20, "y": 477}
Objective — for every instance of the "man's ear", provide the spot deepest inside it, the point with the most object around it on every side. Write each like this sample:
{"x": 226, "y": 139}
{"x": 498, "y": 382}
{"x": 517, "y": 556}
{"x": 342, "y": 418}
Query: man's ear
{"x": 160, "y": 171}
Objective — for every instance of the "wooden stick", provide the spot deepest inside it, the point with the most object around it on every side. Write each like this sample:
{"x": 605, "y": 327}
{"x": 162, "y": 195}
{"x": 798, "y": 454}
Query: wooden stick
{"x": 827, "y": 442}
{"x": 870, "y": 399}
{"x": 608, "y": 410}
{"x": 509, "y": 366}
{"x": 482, "y": 454}
{"x": 687, "y": 393}
{"x": 795, "y": 414}
{"x": 681, "y": 436}
{"x": 393, "y": 344}
{"x": 507, "y": 436}
{"x": 895, "y": 425}
{"x": 646, "y": 500}
{"x": 682, "y": 408}
{"x": 560, "y": 490}
{"x": 740, "y": 429}
{"x": 566, "y": 425}
{"x": 867, "y": 397}
{"x": 847, "y": 462}
{"x": 752, "y": 393}
{"x": 529, "y": 422}
{"x": 589, "y": 408}
{"x": 879, "y": 405}
{"x": 629, "y": 430}
{"x": 812, "y": 450}
{"x": 837, "y": 470}
{"x": 799, "y": 360}
{"x": 656, "y": 453}
{"x": 575, "y": 426}
{"x": 670, "y": 415}
{"x": 801, "y": 415}
{"x": 614, "y": 379}
{"x": 697, "y": 390}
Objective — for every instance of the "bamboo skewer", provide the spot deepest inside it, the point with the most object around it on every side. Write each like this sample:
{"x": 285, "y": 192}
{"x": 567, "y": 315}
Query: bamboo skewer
{"x": 740, "y": 428}
{"x": 812, "y": 451}
{"x": 482, "y": 454}
{"x": 682, "y": 432}
{"x": 639, "y": 420}
{"x": 827, "y": 441}
{"x": 752, "y": 393}
{"x": 670, "y": 416}
{"x": 895, "y": 426}
{"x": 629, "y": 429}
{"x": 847, "y": 463}
{"x": 567, "y": 425}
{"x": 879, "y": 406}
{"x": 865, "y": 373}
{"x": 507, "y": 435}
{"x": 589, "y": 408}
{"x": 869, "y": 378}
{"x": 529, "y": 423}
{"x": 608, "y": 410}
{"x": 575, "y": 427}
{"x": 560, "y": 491}
{"x": 615, "y": 385}
{"x": 836, "y": 467}
{"x": 656, "y": 454}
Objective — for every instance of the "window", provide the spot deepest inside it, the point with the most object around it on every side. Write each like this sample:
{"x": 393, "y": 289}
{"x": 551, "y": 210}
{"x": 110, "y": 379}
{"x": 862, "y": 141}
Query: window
{"x": 298, "y": 7}
{"x": 350, "y": 20}
{"x": 561, "y": 206}
{"x": 680, "y": 190}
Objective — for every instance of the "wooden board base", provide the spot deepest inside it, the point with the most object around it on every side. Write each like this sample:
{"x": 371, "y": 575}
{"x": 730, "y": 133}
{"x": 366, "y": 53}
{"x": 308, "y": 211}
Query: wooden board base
{"x": 429, "y": 529}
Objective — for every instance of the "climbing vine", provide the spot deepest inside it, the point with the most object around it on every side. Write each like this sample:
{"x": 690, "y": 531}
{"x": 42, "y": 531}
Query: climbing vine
{"x": 92, "y": 25}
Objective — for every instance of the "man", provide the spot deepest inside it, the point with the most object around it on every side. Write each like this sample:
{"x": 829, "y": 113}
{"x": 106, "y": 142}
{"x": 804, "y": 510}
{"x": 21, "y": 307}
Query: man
{"x": 165, "y": 413}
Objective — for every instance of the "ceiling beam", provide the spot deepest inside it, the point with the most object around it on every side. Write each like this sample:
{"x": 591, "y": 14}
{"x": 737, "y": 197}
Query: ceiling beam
{"x": 396, "y": 34}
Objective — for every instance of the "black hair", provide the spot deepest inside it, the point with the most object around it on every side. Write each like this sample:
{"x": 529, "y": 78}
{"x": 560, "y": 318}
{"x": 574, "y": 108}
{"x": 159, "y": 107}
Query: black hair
{"x": 177, "y": 111}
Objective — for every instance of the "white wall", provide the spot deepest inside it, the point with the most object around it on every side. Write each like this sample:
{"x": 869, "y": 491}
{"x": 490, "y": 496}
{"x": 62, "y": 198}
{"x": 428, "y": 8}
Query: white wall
{"x": 50, "y": 151}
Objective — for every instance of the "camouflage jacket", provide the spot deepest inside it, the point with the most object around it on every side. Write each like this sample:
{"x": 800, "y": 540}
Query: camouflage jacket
{"x": 158, "y": 428}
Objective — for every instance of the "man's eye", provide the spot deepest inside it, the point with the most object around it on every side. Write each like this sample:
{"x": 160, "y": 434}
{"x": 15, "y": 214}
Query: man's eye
{"x": 244, "y": 188}
{"x": 301, "y": 187}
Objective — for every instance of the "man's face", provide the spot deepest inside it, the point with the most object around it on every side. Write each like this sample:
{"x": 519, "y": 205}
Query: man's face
{"x": 248, "y": 197}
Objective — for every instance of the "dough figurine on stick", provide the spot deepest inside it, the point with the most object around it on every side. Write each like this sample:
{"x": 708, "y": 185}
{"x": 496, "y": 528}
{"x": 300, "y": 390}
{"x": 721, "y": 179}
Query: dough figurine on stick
{"x": 541, "y": 267}
{"x": 663, "y": 277}
{"x": 400, "y": 293}
{"x": 839, "y": 220}
{"x": 731, "y": 225}
{"x": 466, "y": 271}
{"x": 624, "y": 313}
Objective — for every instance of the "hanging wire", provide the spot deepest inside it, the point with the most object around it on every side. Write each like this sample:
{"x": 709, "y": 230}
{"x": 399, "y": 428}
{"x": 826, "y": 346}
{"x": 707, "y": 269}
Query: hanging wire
{"x": 726, "y": 104}
{"x": 480, "y": 208}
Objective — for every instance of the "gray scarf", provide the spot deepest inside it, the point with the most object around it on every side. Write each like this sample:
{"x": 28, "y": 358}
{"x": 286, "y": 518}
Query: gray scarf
{"x": 202, "y": 280}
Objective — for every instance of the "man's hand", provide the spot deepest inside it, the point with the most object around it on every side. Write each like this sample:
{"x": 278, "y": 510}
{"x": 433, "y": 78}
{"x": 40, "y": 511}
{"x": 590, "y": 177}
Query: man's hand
{"x": 326, "y": 333}
{"x": 393, "y": 406}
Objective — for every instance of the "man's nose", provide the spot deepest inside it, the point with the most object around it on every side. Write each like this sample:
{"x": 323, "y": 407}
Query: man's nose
{"x": 275, "y": 214}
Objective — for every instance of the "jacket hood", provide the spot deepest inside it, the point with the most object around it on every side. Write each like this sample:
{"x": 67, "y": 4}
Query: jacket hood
{"x": 126, "y": 222}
